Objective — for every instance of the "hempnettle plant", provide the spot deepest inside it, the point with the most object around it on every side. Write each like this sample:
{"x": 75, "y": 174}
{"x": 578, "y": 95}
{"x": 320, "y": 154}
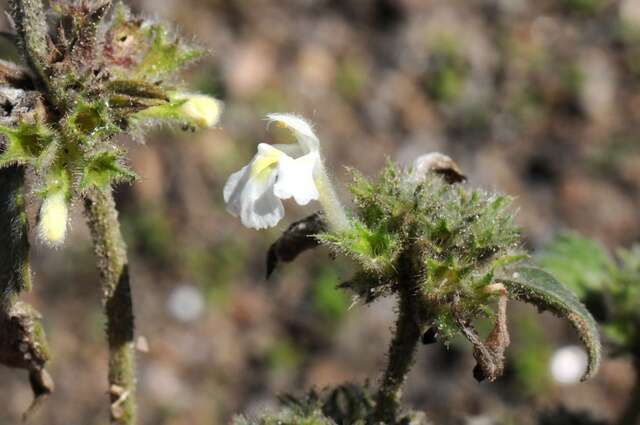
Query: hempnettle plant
{"x": 90, "y": 73}
{"x": 449, "y": 254}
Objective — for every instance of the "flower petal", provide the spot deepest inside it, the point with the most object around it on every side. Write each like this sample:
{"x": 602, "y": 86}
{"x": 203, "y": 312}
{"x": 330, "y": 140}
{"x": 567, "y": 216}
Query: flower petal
{"x": 300, "y": 127}
{"x": 249, "y": 194}
{"x": 295, "y": 178}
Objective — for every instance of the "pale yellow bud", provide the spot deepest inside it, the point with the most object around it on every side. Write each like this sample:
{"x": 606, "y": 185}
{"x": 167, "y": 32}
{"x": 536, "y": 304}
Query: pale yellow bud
{"x": 54, "y": 214}
{"x": 204, "y": 111}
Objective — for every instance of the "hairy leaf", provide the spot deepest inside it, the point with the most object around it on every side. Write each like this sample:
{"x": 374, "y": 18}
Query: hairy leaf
{"x": 104, "y": 168}
{"x": 166, "y": 54}
{"x": 540, "y": 288}
{"x": 25, "y": 144}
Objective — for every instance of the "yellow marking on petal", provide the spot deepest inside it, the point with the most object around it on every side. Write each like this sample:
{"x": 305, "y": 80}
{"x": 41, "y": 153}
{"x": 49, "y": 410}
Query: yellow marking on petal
{"x": 265, "y": 163}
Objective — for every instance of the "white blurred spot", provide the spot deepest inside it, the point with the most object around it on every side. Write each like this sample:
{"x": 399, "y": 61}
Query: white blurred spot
{"x": 186, "y": 303}
{"x": 142, "y": 345}
{"x": 164, "y": 385}
{"x": 568, "y": 364}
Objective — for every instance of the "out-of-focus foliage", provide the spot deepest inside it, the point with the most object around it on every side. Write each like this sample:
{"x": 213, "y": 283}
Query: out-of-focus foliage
{"x": 613, "y": 283}
{"x": 530, "y": 354}
{"x": 580, "y": 263}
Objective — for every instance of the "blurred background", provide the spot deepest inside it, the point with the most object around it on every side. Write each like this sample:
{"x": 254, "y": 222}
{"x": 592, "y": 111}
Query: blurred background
{"x": 537, "y": 99}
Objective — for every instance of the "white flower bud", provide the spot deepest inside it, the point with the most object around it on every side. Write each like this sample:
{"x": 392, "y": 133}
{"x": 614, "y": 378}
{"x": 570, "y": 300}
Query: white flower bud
{"x": 203, "y": 111}
{"x": 54, "y": 215}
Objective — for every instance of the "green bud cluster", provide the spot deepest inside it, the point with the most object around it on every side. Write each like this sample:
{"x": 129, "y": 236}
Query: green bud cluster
{"x": 449, "y": 239}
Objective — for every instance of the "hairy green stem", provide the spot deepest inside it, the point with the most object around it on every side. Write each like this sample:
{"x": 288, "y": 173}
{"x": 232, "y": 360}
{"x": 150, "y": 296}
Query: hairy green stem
{"x": 15, "y": 275}
{"x": 31, "y": 25}
{"x": 401, "y": 355}
{"x": 110, "y": 249}
{"x": 334, "y": 211}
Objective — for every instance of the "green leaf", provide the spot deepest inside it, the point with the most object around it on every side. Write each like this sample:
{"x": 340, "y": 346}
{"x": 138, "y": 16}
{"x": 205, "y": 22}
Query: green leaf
{"x": 104, "y": 168}
{"x": 536, "y": 286}
{"x": 26, "y": 144}
{"x": 580, "y": 263}
{"x": 166, "y": 55}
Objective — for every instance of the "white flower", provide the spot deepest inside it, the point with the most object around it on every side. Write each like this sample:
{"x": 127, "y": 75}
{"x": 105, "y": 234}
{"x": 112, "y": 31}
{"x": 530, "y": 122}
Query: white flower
{"x": 54, "y": 215}
{"x": 276, "y": 172}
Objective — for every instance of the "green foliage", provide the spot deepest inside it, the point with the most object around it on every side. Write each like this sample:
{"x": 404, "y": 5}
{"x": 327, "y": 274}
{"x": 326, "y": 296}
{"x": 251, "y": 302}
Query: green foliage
{"x": 596, "y": 275}
{"x": 28, "y": 144}
{"x": 579, "y": 263}
{"x": 538, "y": 287}
{"x": 452, "y": 240}
{"x": 448, "y": 70}
{"x": 530, "y": 356}
{"x": 328, "y": 300}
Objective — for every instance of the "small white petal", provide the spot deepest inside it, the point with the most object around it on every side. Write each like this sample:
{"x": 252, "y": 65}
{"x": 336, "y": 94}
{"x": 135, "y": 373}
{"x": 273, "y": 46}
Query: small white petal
{"x": 301, "y": 128}
{"x": 295, "y": 179}
{"x": 248, "y": 192}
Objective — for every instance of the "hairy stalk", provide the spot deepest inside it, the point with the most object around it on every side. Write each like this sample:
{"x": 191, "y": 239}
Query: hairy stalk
{"x": 334, "y": 211}
{"x": 631, "y": 413}
{"x": 31, "y": 26}
{"x": 401, "y": 355}
{"x": 110, "y": 249}
{"x": 15, "y": 275}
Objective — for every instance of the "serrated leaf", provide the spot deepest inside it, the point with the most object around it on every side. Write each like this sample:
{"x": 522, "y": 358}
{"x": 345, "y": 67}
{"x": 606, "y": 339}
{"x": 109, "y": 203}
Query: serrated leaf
{"x": 104, "y": 168}
{"x": 537, "y": 287}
